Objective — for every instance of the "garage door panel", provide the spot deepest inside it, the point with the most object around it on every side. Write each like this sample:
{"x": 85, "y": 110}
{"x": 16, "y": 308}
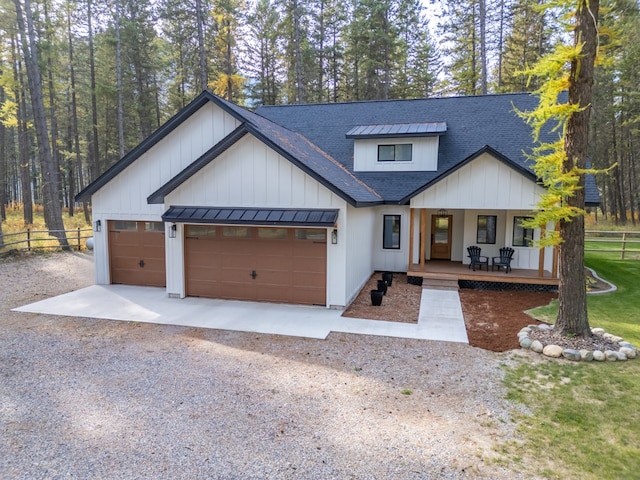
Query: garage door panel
{"x": 137, "y": 255}
{"x": 275, "y": 254}
{"x": 309, "y": 295}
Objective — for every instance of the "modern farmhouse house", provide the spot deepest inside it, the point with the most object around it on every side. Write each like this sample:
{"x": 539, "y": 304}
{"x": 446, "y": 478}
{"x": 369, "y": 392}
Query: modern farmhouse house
{"x": 301, "y": 203}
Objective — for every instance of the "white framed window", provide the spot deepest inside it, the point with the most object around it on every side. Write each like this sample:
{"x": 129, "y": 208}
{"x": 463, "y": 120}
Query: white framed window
{"x": 391, "y": 232}
{"x": 401, "y": 152}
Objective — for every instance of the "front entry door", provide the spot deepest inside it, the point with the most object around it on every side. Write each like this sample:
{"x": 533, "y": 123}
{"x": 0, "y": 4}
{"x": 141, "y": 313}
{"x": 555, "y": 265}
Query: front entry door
{"x": 441, "y": 237}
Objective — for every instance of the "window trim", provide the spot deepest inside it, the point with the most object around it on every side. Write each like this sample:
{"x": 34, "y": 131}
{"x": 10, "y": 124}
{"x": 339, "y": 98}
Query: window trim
{"x": 394, "y": 145}
{"x": 524, "y": 230}
{"x": 490, "y": 233}
{"x": 385, "y": 233}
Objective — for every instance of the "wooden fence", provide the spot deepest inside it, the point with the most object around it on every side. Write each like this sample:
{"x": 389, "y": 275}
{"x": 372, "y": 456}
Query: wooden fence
{"x": 611, "y": 241}
{"x": 42, "y": 239}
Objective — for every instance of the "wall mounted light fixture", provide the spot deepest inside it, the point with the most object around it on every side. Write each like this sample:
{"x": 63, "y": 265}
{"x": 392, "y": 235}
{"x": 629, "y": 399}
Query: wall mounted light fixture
{"x": 172, "y": 230}
{"x": 97, "y": 226}
{"x": 443, "y": 213}
{"x": 334, "y": 236}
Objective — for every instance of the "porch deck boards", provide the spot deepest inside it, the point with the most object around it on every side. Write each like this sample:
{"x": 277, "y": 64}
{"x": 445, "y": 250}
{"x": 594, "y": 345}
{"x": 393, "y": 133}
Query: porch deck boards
{"x": 446, "y": 270}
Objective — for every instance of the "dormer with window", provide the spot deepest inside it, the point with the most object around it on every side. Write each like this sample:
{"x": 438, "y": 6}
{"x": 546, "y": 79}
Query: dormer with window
{"x": 402, "y": 147}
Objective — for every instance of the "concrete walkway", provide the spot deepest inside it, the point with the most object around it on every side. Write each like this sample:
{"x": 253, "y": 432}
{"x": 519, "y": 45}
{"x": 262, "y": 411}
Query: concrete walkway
{"x": 440, "y": 314}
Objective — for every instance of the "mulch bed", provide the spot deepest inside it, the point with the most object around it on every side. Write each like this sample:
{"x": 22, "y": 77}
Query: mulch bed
{"x": 493, "y": 318}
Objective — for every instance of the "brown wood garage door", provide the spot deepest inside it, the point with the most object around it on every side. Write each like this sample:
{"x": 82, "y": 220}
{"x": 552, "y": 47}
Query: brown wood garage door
{"x": 267, "y": 264}
{"x": 136, "y": 253}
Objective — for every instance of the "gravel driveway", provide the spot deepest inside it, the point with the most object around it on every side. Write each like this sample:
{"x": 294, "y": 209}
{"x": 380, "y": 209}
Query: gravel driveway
{"x": 85, "y": 398}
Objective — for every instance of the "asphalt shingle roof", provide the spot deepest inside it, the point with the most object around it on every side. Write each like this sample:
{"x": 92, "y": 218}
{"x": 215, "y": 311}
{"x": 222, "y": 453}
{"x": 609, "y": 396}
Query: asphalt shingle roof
{"x": 314, "y": 137}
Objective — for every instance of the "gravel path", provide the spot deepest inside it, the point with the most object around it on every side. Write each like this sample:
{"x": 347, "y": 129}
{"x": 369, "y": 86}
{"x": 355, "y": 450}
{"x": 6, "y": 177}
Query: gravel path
{"x": 84, "y": 398}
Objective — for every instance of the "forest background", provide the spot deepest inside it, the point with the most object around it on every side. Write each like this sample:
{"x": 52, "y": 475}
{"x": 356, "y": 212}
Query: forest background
{"x": 112, "y": 71}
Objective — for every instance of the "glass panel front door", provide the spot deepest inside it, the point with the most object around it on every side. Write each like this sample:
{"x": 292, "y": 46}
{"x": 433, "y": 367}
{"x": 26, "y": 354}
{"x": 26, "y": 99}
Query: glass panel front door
{"x": 441, "y": 237}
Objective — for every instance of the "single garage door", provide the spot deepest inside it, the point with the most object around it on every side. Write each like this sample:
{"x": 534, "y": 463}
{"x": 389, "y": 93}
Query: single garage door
{"x": 286, "y": 265}
{"x": 136, "y": 253}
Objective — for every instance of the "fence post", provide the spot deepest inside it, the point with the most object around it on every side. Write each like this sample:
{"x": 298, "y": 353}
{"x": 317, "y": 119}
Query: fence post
{"x": 79, "y": 239}
{"x": 28, "y": 239}
{"x": 624, "y": 243}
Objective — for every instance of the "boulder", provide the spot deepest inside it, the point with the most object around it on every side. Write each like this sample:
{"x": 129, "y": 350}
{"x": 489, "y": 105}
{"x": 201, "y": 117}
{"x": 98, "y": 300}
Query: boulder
{"x": 586, "y": 355}
{"x": 628, "y": 352}
{"x": 621, "y": 356}
{"x": 537, "y": 346}
{"x": 611, "y": 356}
{"x": 613, "y": 338}
{"x": 598, "y": 331}
{"x": 554, "y": 351}
{"x": 598, "y": 356}
{"x": 525, "y": 342}
{"x": 571, "y": 354}
{"x": 544, "y": 326}
{"x": 629, "y": 345}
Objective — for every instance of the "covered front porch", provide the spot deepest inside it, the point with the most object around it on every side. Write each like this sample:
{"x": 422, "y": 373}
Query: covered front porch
{"x": 455, "y": 271}
{"x": 438, "y": 241}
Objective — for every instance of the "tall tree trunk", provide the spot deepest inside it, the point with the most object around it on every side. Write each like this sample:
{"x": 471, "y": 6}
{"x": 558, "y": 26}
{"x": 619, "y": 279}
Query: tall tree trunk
{"x": 73, "y": 125}
{"x": 53, "y": 117}
{"x": 3, "y": 167}
{"x": 23, "y": 148}
{"x": 296, "y": 33}
{"x": 204, "y": 74}
{"x": 94, "y": 164}
{"x": 119, "y": 82}
{"x": 51, "y": 202}
{"x": 572, "y": 295}
{"x": 483, "y": 46}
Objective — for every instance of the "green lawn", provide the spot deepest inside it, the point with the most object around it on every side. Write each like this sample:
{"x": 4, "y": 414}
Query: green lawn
{"x": 584, "y": 421}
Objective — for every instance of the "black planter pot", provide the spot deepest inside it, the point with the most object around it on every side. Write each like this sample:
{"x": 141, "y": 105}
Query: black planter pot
{"x": 376, "y": 298}
{"x": 382, "y": 286}
{"x": 388, "y": 277}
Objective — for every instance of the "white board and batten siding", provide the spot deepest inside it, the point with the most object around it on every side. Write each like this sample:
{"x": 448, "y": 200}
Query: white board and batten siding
{"x": 360, "y": 247}
{"x": 484, "y": 183}
{"x": 486, "y": 186}
{"x": 125, "y": 196}
{"x": 424, "y": 155}
{"x": 251, "y": 174}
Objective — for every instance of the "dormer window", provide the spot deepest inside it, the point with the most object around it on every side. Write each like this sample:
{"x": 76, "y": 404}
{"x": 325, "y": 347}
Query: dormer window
{"x": 396, "y": 147}
{"x": 395, "y": 153}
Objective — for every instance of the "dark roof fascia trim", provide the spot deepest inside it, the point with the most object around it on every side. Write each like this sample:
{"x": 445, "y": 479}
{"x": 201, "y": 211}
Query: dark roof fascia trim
{"x": 210, "y": 155}
{"x": 486, "y": 149}
{"x": 258, "y": 134}
{"x": 145, "y": 145}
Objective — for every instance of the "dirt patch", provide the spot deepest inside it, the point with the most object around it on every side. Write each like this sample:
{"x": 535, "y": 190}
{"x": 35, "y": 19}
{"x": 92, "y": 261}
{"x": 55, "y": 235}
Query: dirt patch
{"x": 493, "y": 318}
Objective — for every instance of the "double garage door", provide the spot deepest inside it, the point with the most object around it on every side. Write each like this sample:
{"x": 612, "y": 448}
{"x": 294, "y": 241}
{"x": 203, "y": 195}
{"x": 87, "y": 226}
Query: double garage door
{"x": 268, "y": 264}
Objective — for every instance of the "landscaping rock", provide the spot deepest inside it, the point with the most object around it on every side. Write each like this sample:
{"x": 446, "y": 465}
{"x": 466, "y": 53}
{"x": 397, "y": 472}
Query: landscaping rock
{"x": 611, "y": 356}
{"x": 554, "y": 351}
{"x": 524, "y": 330}
{"x": 598, "y": 356}
{"x": 598, "y": 331}
{"x": 628, "y": 352}
{"x": 613, "y": 338}
{"x": 570, "y": 354}
{"x": 544, "y": 326}
{"x": 537, "y": 346}
{"x": 525, "y": 342}
{"x": 629, "y": 345}
{"x": 586, "y": 355}
{"x": 621, "y": 356}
